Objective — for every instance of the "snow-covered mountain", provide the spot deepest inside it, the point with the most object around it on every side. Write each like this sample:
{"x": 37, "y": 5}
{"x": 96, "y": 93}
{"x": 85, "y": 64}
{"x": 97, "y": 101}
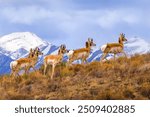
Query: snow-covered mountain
{"x": 132, "y": 46}
{"x": 15, "y": 41}
{"x": 137, "y": 46}
{"x": 17, "y": 45}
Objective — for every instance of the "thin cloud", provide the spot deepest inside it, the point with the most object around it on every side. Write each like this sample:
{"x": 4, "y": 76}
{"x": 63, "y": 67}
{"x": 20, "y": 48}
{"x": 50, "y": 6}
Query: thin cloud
{"x": 110, "y": 19}
{"x": 75, "y": 20}
{"x": 24, "y": 15}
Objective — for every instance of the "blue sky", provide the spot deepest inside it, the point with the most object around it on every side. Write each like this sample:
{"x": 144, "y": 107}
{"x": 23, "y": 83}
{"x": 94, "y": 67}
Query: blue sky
{"x": 72, "y": 21}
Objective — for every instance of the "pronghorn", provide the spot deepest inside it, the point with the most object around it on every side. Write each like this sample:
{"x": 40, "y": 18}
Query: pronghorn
{"x": 81, "y": 54}
{"x": 54, "y": 59}
{"x": 25, "y": 63}
{"x": 114, "y": 48}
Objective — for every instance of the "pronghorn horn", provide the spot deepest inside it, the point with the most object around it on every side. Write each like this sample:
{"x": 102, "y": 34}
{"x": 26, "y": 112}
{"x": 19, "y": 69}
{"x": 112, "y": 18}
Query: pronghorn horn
{"x": 64, "y": 46}
{"x": 30, "y": 49}
{"x": 86, "y": 44}
{"x": 61, "y": 46}
{"x": 37, "y": 49}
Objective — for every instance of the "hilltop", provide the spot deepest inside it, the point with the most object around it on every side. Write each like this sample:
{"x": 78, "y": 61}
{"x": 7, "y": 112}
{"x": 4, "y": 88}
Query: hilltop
{"x": 120, "y": 79}
{"x": 17, "y": 45}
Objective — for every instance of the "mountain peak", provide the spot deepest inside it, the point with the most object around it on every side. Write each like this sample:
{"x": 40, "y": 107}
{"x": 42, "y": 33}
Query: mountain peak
{"x": 15, "y": 41}
{"x": 137, "y": 45}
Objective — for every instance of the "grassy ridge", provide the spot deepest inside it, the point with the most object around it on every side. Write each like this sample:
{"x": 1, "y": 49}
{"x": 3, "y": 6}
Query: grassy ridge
{"x": 120, "y": 79}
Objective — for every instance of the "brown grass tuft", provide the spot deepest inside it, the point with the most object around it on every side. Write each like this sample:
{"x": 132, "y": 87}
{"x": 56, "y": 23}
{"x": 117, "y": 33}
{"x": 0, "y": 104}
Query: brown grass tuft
{"x": 111, "y": 80}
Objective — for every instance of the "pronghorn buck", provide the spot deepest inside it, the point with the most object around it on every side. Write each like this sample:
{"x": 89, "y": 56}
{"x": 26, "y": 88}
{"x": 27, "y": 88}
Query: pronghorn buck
{"x": 81, "y": 54}
{"x": 54, "y": 59}
{"x": 25, "y": 63}
{"x": 114, "y": 48}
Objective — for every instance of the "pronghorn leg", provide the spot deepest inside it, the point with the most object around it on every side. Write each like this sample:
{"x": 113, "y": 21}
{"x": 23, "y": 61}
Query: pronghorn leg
{"x": 53, "y": 68}
{"x": 26, "y": 71}
{"x": 114, "y": 56}
{"x": 33, "y": 68}
{"x": 85, "y": 60}
{"x": 45, "y": 67}
{"x": 69, "y": 62}
{"x": 11, "y": 74}
{"x": 103, "y": 56}
{"x": 124, "y": 54}
{"x": 82, "y": 61}
{"x": 17, "y": 74}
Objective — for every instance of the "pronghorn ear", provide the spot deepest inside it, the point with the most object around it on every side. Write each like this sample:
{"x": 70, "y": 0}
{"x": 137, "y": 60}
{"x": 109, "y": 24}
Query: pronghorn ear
{"x": 87, "y": 44}
{"x": 119, "y": 40}
{"x": 59, "y": 51}
{"x": 38, "y": 48}
{"x": 64, "y": 46}
{"x": 89, "y": 39}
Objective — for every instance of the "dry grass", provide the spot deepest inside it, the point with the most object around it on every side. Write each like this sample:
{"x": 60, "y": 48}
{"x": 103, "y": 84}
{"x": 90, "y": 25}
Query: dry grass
{"x": 112, "y": 80}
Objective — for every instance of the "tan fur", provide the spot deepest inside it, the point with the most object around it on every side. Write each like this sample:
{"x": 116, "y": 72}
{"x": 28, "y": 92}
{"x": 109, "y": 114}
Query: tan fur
{"x": 24, "y": 63}
{"x": 115, "y": 48}
{"x": 82, "y": 53}
{"x": 54, "y": 60}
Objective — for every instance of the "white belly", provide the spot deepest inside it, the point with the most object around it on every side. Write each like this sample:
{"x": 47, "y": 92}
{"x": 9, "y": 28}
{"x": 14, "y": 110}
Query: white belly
{"x": 24, "y": 65}
{"x": 52, "y": 61}
{"x": 81, "y": 55}
{"x": 115, "y": 50}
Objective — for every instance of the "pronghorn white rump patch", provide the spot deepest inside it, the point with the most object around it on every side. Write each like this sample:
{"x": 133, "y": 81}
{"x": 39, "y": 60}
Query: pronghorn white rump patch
{"x": 70, "y": 53}
{"x": 24, "y": 65}
{"x": 103, "y": 47}
{"x": 13, "y": 64}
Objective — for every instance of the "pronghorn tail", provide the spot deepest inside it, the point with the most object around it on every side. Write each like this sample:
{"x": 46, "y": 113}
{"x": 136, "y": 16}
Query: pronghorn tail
{"x": 13, "y": 64}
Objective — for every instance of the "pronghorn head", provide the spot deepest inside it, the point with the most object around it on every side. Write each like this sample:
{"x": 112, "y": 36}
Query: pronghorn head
{"x": 37, "y": 52}
{"x": 62, "y": 49}
{"x": 90, "y": 43}
{"x": 122, "y": 38}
